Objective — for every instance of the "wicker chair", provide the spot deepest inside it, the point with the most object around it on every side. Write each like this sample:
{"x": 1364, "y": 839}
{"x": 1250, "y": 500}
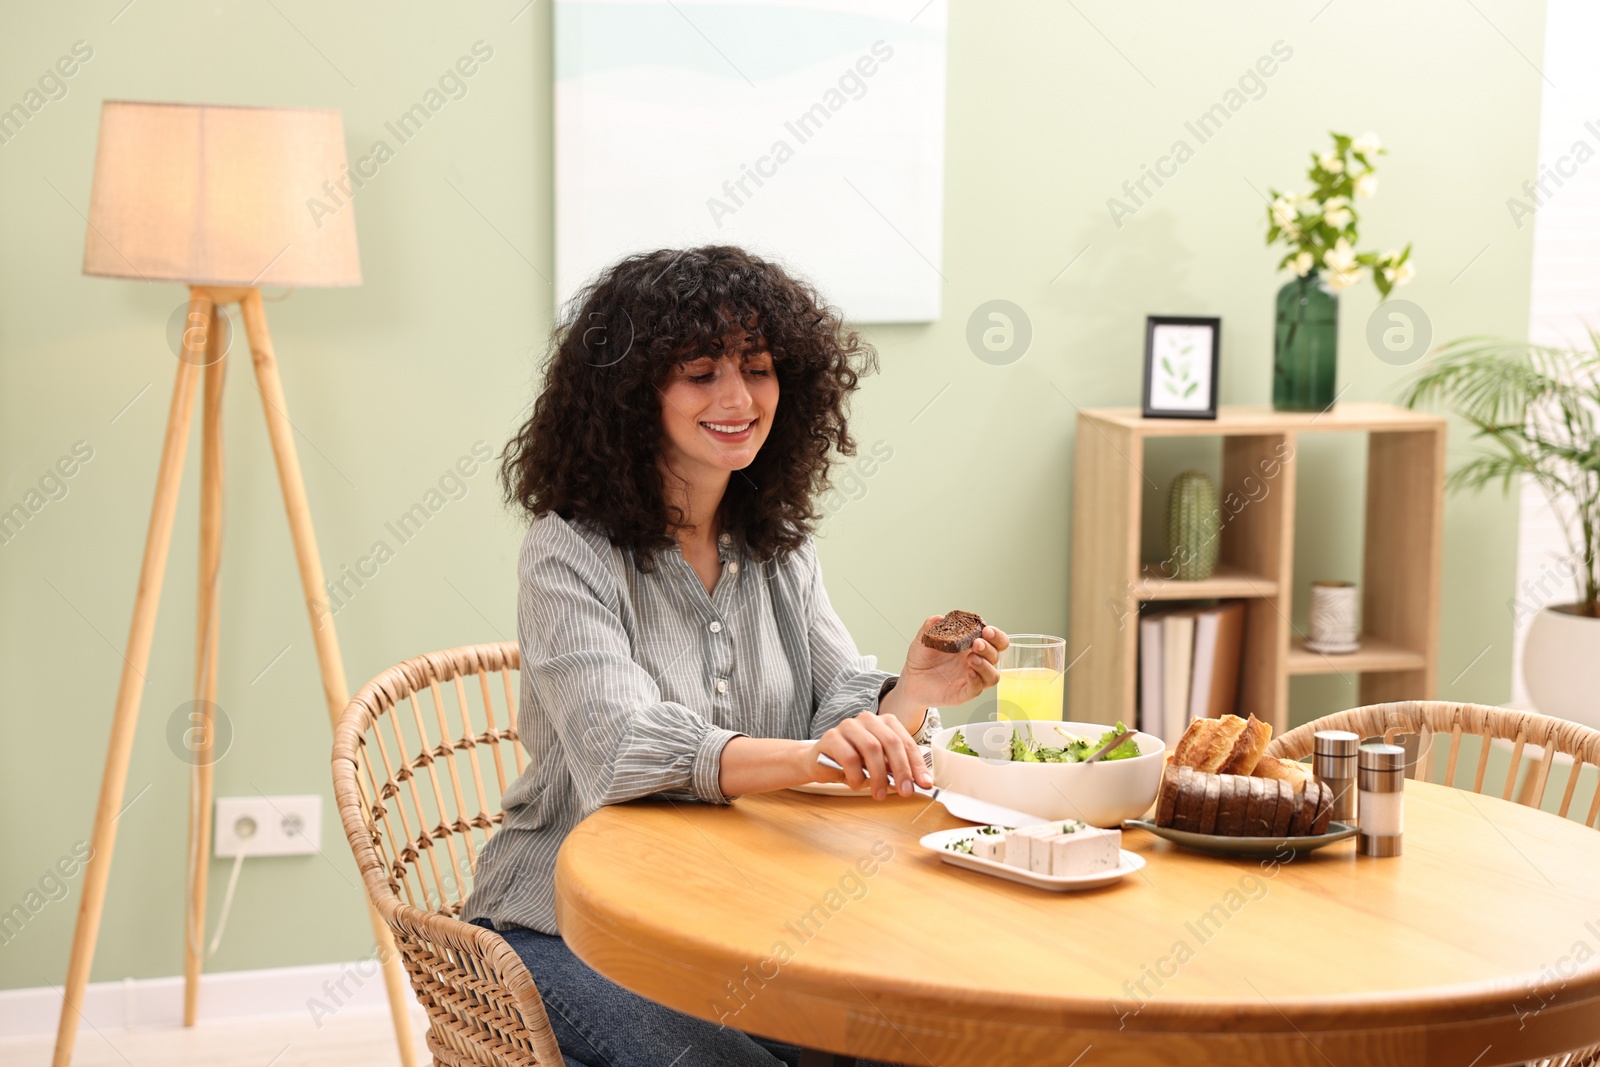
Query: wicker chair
{"x": 1434, "y": 720}
{"x": 409, "y": 778}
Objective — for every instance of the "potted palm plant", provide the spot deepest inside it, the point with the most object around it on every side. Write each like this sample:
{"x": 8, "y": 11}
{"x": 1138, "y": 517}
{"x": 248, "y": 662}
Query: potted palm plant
{"x": 1535, "y": 409}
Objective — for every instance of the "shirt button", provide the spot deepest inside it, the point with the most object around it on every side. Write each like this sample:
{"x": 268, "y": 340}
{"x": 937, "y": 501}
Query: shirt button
{"x": 722, "y": 686}
{"x": 716, "y": 627}
{"x": 725, "y": 539}
{"x": 733, "y": 567}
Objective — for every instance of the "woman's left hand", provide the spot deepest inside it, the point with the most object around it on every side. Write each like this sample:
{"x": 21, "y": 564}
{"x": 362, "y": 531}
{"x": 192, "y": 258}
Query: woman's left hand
{"x": 940, "y": 679}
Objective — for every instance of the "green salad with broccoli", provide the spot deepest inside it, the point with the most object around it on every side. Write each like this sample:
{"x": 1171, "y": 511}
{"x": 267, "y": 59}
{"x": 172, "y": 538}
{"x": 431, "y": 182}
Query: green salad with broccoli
{"x": 1025, "y": 748}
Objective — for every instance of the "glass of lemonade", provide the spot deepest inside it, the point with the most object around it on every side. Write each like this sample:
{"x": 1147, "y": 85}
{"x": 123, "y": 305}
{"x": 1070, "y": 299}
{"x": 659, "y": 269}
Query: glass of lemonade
{"x": 1032, "y": 677}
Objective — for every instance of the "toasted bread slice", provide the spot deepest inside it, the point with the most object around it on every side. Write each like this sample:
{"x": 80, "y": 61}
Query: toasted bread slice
{"x": 1297, "y": 774}
{"x": 955, "y": 632}
{"x": 1207, "y": 743}
{"x": 1248, "y": 745}
{"x": 1167, "y": 798}
{"x": 1208, "y": 810}
{"x": 1186, "y": 753}
{"x": 1287, "y": 799}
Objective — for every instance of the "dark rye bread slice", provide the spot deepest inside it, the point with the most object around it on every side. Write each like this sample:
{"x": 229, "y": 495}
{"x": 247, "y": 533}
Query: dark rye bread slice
{"x": 1180, "y": 786}
{"x": 1287, "y": 799}
{"x": 1208, "y": 808}
{"x": 1233, "y": 798}
{"x": 1263, "y": 803}
{"x": 1191, "y": 798}
{"x": 1324, "y": 809}
{"x": 1305, "y": 812}
{"x": 953, "y": 633}
{"x": 1167, "y": 798}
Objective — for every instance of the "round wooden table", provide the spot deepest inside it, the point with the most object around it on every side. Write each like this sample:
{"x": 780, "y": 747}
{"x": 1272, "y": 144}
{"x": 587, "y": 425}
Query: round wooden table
{"x": 820, "y": 921}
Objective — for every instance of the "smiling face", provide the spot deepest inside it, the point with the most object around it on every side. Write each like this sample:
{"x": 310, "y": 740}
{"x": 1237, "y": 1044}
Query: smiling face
{"x": 716, "y": 412}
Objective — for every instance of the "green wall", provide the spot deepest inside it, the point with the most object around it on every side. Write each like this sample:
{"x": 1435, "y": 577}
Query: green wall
{"x": 1051, "y": 108}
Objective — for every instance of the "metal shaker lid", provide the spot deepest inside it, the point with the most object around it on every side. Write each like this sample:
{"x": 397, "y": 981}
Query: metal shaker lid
{"x": 1335, "y": 743}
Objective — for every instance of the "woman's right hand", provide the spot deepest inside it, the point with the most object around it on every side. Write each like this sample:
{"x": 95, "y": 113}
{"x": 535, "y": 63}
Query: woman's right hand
{"x": 867, "y": 746}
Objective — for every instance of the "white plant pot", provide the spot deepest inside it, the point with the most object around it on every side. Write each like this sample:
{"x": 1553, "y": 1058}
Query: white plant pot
{"x": 1558, "y": 664}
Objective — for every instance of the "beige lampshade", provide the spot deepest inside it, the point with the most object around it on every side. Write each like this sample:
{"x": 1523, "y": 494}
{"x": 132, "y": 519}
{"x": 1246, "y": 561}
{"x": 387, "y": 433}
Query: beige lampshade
{"x": 227, "y": 196}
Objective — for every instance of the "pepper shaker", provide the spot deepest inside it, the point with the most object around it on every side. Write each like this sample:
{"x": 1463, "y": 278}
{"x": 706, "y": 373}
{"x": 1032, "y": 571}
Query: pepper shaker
{"x": 1334, "y": 764}
{"x": 1381, "y": 777}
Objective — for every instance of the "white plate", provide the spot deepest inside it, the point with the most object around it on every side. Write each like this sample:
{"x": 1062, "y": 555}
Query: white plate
{"x": 936, "y": 842}
{"x": 831, "y": 789}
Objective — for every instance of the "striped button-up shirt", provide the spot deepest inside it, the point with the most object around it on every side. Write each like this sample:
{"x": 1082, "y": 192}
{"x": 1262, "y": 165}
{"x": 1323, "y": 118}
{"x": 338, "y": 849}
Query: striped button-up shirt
{"x": 633, "y": 682}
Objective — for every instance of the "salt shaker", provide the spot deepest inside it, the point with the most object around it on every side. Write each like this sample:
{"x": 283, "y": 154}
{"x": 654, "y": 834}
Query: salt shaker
{"x": 1381, "y": 778}
{"x": 1334, "y": 764}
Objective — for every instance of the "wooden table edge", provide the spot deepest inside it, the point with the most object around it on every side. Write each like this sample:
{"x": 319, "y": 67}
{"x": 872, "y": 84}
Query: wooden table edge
{"x": 1262, "y": 1031}
{"x": 587, "y": 929}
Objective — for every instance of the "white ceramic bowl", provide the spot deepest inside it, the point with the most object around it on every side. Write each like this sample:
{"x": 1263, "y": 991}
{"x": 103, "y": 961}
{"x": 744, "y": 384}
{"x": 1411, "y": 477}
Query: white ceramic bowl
{"x": 1101, "y": 794}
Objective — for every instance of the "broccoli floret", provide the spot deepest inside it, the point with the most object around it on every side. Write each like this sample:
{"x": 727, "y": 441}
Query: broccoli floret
{"x": 958, "y": 743}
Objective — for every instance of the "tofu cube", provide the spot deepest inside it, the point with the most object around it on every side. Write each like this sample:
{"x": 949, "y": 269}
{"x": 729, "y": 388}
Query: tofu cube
{"x": 1017, "y": 849}
{"x": 1039, "y": 855}
{"x": 1085, "y": 850}
{"x": 989, "y": 844}
{"x": 1022, "y": 848}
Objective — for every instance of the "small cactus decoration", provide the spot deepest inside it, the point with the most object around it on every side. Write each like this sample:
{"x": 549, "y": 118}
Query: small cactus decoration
{"x": 1193, "y": 526}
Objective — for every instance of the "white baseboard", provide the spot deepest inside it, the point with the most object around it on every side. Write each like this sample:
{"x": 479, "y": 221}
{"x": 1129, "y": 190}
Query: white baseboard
{"x": 316, "y": 991}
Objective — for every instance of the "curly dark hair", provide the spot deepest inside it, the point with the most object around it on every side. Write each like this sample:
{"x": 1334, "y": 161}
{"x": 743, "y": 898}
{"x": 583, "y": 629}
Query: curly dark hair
{"x": 590, "y": 450}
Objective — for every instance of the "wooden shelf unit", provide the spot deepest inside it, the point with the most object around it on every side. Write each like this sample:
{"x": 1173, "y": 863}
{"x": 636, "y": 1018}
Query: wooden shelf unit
{"x": 1400, "y": 571}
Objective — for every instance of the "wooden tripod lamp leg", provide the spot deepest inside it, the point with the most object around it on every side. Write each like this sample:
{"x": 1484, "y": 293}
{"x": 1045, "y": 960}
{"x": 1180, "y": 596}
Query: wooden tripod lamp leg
{"x": 130, "y": 689}
{"x": 322, "y": 630}
{"x": 205, "y": 667}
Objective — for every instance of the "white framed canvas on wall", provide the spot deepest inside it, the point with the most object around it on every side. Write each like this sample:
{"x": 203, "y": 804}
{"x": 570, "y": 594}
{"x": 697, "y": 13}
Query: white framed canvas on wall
{"x": 810, "y": 131}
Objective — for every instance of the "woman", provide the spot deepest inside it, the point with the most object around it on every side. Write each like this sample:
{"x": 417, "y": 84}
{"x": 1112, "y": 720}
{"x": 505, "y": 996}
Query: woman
{"x": 676, "y": 637}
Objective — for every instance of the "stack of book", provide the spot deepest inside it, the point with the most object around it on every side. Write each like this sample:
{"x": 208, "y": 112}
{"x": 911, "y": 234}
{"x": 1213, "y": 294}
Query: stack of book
{"x": 1188, "y": 665}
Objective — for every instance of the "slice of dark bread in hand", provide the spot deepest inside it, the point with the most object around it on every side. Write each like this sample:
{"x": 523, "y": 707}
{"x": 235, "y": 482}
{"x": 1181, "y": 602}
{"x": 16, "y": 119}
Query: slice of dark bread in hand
{"x": 954, "y": 633}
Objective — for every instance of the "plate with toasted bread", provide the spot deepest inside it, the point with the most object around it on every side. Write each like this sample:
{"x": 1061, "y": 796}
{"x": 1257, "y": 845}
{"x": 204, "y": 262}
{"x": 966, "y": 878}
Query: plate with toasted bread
{"x": 1220, "y": 793}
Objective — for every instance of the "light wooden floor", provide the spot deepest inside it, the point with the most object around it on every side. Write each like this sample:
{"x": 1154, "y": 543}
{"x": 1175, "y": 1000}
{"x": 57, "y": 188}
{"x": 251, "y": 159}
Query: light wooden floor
{"x": 358, "y": 1037}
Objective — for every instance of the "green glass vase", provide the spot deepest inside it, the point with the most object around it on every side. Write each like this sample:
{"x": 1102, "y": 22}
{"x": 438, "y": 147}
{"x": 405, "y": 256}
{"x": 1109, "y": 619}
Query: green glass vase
{"x": 1305, "y": 353}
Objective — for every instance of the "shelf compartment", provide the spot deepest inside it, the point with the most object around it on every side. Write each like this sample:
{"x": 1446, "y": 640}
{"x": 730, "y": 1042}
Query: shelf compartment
{"x": 1227, "y": 580}
{"x": 1375, "y": 656}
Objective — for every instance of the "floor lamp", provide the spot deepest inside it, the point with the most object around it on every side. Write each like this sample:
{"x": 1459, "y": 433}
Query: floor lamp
{"x": 215, "y": 198}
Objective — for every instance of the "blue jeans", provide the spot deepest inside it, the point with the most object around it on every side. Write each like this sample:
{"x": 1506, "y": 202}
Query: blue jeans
{"x": 600, "y": 1024}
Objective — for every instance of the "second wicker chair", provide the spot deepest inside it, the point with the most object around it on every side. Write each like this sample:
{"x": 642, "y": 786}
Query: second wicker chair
{"x": 1439, "y": 722}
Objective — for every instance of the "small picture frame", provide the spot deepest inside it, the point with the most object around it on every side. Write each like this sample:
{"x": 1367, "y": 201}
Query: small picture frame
{"x": 1181, "y": 356}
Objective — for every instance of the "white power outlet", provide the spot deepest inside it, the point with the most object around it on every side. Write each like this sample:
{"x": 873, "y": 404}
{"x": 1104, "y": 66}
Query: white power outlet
{"x": 268, "y": 826}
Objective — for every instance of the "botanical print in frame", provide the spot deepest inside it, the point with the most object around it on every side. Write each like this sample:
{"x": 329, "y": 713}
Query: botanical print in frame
{"x": 1181, "y": 357}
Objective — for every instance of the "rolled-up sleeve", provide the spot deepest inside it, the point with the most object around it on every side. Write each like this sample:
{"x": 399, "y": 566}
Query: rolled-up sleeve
{"x": 843, "y": 681}
{"x": 619, "y": 738}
